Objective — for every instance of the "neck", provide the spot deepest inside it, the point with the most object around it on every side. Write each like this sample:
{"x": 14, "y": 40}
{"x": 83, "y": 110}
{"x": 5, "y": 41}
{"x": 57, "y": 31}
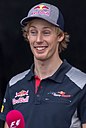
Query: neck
{"x": 44, "y": 69}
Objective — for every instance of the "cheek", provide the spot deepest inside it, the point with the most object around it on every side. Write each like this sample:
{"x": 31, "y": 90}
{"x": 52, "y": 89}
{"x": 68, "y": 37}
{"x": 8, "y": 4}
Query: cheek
{"x": 54, "y": 45}
{"x": 55, "y": 42}
{"x": 31, "y": 39}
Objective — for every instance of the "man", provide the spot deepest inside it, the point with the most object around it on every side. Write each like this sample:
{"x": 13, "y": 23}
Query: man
{"x": 52, "y": 94}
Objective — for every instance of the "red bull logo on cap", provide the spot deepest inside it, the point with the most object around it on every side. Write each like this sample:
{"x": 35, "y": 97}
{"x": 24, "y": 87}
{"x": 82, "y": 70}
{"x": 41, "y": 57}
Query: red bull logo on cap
{"x": 41, "y": 7}
{"x": 41, "y": 10}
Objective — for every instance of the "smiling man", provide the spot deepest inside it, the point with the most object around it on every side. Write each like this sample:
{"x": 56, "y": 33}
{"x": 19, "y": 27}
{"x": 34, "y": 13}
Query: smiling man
{"x": 52, "y": 94}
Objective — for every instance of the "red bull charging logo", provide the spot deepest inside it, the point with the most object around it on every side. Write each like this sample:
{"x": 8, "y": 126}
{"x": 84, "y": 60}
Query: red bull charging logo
{"x": 21, "y": 97}
{"x": 21, "y": 93}
{"x": 41, "y": 10}
{"x": 41, "y": 7}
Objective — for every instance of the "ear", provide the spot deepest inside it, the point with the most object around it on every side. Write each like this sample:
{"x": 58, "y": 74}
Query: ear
{"x": 60, "y": 37}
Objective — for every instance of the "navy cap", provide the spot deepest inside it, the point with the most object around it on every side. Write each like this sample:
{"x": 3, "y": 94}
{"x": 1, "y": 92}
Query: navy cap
{"x": 47, "y": 12}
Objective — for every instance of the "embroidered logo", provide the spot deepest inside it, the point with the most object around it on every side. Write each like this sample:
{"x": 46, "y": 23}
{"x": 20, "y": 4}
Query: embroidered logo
{"x": 60, "y": 94}
{"x": 41, "y": 7}
{"x": 41, "y": 10}
{"x": 21, "y": 97}
{"x": 22, "y": 93}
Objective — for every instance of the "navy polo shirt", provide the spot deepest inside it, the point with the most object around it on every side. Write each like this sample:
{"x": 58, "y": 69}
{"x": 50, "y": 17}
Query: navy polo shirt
{"x": 60, "y": 101}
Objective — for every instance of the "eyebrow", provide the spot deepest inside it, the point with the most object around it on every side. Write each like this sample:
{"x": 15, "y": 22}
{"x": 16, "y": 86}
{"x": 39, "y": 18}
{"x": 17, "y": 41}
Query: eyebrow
{"x": 32, "y": 26}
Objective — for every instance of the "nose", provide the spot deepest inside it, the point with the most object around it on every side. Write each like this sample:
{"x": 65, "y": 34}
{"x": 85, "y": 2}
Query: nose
{"x": 39, "y": 37}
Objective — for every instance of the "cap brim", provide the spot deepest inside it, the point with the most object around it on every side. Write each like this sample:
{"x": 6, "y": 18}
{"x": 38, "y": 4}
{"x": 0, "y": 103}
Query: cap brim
{"x": 25, "y": 20}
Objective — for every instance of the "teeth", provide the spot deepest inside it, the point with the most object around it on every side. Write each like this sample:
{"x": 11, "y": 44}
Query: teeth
{"x": 40, "y": 48}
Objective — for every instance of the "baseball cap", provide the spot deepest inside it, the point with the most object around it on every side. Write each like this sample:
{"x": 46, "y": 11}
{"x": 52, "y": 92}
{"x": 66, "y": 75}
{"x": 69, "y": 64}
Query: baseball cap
{"x": 45, "y": 11}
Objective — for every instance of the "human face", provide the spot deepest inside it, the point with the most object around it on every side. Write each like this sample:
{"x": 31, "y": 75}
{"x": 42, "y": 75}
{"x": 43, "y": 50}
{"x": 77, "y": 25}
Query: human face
{"x": 43, "y": 39}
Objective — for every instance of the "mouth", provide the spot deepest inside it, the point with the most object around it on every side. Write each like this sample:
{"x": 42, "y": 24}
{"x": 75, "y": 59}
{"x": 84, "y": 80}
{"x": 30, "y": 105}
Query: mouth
{"x": 40, "y": 48}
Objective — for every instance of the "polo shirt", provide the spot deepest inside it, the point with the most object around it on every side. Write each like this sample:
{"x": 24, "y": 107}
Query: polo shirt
{"x": 60, "y": 100}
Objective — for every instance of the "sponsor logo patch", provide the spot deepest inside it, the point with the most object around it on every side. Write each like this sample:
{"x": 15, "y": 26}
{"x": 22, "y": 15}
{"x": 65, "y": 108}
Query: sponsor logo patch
{"x": 21, "y": 93}
{"x": 41, "y": 10}
{"x": 21, "y": 97}
{"x": 60, "y": 94}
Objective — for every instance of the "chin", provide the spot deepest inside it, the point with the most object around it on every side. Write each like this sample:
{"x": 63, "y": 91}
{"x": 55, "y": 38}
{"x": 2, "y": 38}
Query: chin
{"x": 41, "y": 58}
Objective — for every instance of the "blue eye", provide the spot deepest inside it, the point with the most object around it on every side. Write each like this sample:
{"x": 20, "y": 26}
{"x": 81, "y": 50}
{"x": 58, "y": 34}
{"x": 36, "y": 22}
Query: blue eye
{"x": 46, "y": 32}
{"x": 33, "y": 33}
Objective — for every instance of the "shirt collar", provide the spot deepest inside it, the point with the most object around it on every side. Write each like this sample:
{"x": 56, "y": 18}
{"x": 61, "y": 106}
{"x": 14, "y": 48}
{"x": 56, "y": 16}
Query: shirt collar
{"x": 31, "y": 74}
{"x": 58, "y": 76}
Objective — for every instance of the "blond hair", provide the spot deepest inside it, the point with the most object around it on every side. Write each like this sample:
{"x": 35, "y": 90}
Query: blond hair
{"x": 64, "y": 43}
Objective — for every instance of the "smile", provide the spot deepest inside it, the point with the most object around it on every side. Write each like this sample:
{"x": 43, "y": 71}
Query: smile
{"x": 40, "y": 48}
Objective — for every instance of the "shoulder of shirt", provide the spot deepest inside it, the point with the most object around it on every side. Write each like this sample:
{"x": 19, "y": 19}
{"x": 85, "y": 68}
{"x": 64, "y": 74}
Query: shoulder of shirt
{"x": 77, "y": 76}
{"x": 18, "y": 77}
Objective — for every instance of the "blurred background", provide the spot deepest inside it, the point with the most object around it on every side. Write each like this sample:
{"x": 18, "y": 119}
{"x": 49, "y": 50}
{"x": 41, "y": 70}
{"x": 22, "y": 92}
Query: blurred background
{"x": 15, "y": 54}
